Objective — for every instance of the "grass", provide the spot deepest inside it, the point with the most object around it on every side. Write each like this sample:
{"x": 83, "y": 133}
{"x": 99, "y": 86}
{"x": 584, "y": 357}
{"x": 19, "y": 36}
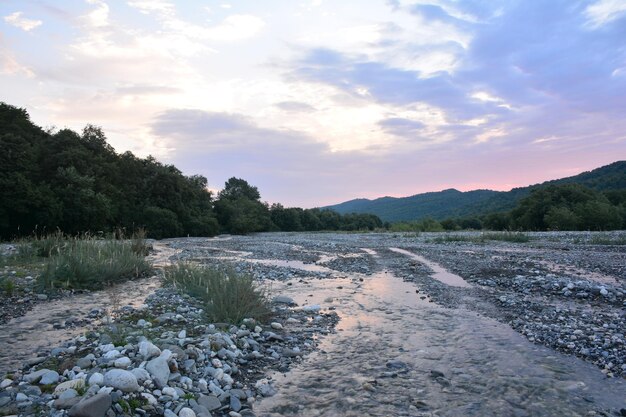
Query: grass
{"x": 515, "y": 237}
{"x": 226, "y": 296}
{"x": 89, "y": 263}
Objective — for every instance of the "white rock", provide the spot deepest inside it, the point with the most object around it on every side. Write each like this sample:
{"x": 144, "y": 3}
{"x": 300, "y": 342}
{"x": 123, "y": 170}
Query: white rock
{"x": 107, "y": 348}
{"x": 186, "y": 412}
{"x": 203, "y": 386}
{"x": 20, "y": 397}
{"x": 96, "y": 379}
{"x": 150, "y": 398}
{"x": 182, "y": 334}
{"x": 112, "y": 354}
{"x": 159, "y": 369}
{"x": 257, "y": 329}
{"x": 276, "y": 325}
{"x": 141, "y": 374}
{"x": 7, "y": 382}
{"x": 312, "y": 308}
{"x": 75, "y": 384}
{"x": 121, "y": 379}
{"x": 148, "y": 350}
{"x": 170, "y": 392}
{"x": 122, "y": 362}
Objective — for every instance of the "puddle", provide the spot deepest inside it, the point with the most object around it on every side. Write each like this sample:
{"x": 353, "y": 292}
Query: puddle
{"x": 310, "y": 267}
{"x": 396, "y": 354}
{"x": 439, "y": 273}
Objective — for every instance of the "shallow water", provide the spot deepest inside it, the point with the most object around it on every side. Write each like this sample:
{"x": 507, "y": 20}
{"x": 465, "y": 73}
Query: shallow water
{"x": 446, "y": 362}
{"x": 439, "y": 273}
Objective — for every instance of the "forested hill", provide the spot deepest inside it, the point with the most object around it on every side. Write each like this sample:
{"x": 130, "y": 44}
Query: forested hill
{"x": 77, "y": 183}
{"x": 453, "y": 203}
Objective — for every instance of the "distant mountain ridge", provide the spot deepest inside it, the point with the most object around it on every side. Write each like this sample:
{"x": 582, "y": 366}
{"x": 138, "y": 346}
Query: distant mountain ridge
{"x": 448, "y": 203}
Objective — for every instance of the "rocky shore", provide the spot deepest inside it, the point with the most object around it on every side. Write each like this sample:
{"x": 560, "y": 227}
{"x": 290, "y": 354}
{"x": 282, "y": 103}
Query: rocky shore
{"x": 162, "y": 358}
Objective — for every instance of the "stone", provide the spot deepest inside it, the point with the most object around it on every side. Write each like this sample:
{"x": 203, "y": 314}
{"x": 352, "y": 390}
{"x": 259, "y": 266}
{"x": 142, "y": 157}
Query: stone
{"x": 122, "y": 380}
{"x": 169, "y": 413}
{"x": 283, "y": 299}
{"x": 5, "y": 383}
{"x": 48, "y": 378}
{"x": 235, "y": 404}
{"x": 84, "y": 363}
{"x": 96, "y": 406}
{"x": 33, "y": 377}
{"x": 20, "y": 397}
{"x": 186, "y": 412}
{"x": 122, "y": 363}
{"x": 171, "y": 392}
{"x": 159, "y": 369}
{"x": 182, "y": 334}
{"x": 276, "y": 325}
{"x": 96, "y": 379}
{"x": 210, "y": 402}
{"x": 141, "y": 374}
{"x": 75, "y": 384}
{"x": 67, "y": 399}
{"x": 148, "y": 350}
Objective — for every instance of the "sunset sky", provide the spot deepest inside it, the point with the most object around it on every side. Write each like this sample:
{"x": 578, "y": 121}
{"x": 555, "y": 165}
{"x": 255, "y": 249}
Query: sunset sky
{"x": 318, "y": 102}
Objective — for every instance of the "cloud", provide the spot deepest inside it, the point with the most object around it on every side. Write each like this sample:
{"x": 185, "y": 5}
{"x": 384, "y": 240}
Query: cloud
{"x": 294, "y": 106}
{"x": 23, "y": 23}
{"x": 603, "y": 12}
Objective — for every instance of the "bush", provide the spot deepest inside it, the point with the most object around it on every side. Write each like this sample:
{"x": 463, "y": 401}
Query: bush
{"x": 227, "y": 296}
{"x": 92, "y": 264}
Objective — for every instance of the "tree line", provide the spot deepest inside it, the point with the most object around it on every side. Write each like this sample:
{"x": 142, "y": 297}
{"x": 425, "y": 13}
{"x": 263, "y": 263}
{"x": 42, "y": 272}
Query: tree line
{"x": 77, "y": 183}
{"x": 553, "y": 207}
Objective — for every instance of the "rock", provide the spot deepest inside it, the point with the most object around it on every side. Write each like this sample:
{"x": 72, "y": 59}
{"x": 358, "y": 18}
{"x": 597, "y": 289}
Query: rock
{"x": 20, "y": 397}
{"x": 141, "y": 374}
{"x": 33, "y": 377}
{"x": 264, "y": 388}
{"x": 96, "y": 406}
{"x": 235, "y": 404}
{"x": 5, "y": 383}
{"x": 169, "y": 413}
{"x": 186, "y": 412}
{"x": 75, "y": 384}
{"x": 123, "y": 362}
{"x": 283, "y": 299}
{"x": 159, "y": 369}
{"x": 210, "y": 402}
{"x": 121, "y": 379}
{"x": 312, "y": 308}
{"x": 67, "y": 399}
{"x": 148, "y": 350}
{"x": 84, "y": 363}
{"x": 182, "y": 334}
{"x": 170, "y": 392}
{"x": 276, "y": 326}
{"x": 96, "y": 379}
{"x": 48, "y": 378}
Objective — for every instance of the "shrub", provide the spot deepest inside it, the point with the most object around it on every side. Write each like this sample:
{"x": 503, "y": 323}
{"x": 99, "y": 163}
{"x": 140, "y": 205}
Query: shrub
{"x": 92, "y": 264}
{"x": 227, "y": 296}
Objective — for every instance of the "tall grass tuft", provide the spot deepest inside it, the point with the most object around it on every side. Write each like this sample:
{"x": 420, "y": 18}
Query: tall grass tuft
{"x": 227, "y": 296}
{"x": 92, "y": 264}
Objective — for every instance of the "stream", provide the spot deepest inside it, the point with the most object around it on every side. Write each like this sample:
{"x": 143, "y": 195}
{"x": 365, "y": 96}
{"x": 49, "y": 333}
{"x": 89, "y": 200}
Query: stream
{"x": 395, "y": 353}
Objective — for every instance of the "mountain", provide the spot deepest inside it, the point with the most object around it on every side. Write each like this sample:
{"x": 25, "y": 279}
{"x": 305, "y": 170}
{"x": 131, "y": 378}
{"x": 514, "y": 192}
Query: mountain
{"x": 453, "y": 203}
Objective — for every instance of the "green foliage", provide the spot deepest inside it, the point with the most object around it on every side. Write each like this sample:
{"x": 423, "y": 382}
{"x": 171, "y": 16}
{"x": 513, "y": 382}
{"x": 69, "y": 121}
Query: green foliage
{"x": 566, "y": 207}
{"x": 90, "y": 263}
{"x": 8, "y": 286}
{"x": 78, "y": 183}
{"x": 425, "y": 225}
{"x": 227, "y": 296}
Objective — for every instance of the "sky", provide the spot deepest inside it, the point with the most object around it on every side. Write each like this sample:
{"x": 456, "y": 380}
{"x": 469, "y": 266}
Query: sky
{"x": 316, "y": 102}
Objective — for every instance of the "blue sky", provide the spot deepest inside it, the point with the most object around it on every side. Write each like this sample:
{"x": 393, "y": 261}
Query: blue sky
{"x": 317, "y": 101}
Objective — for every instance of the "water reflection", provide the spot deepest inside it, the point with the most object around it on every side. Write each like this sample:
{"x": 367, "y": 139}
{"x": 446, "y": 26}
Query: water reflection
{"x": 439, "y": 273}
